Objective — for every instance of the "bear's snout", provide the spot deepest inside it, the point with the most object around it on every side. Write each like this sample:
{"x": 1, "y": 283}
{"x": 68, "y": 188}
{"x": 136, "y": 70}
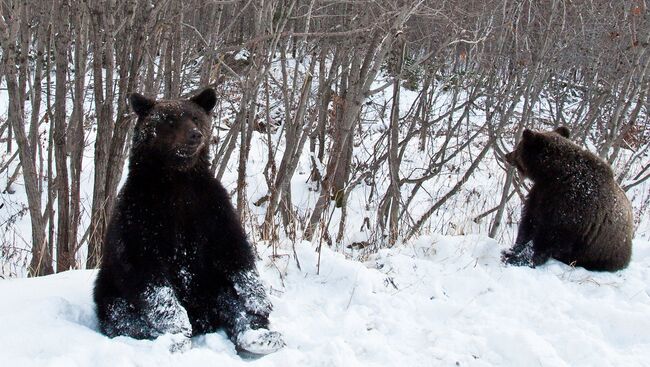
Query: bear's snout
{"x": 194, "y": 137}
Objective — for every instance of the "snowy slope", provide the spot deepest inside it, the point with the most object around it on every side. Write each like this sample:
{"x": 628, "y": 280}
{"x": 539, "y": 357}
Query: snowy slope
{"x": 440, "y": 301}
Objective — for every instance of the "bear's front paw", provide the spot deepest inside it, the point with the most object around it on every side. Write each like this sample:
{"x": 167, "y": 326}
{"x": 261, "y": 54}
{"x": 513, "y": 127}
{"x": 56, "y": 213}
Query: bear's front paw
{"x": 523, "y": 257}
{"x": 175, "y": 343}
{"x": 258, "y": 342}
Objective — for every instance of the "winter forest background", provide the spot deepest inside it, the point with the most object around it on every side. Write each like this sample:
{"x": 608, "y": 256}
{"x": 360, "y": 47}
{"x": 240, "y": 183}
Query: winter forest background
{"x": 355, "y": 125}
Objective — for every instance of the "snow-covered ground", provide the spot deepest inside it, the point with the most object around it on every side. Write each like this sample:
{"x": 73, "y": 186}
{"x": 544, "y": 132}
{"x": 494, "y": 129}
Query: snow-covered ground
{"x": 438, "y": 301}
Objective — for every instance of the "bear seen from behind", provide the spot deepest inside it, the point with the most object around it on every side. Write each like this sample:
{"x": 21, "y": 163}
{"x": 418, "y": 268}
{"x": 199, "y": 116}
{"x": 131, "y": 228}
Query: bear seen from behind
{"x": 575, "y": 211}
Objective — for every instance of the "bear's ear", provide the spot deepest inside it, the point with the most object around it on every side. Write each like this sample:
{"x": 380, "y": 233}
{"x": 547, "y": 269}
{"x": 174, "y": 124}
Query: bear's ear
{"x": 206, "y": 99}
{"x": 141, "y": 104}
{"x": 563, "y": 131}
{"x": 528, "y": 134}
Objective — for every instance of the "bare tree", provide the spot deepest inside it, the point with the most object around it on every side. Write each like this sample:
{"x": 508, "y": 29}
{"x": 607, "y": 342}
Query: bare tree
{"x": 404, "y": 105}
{"x": 10, "y": 22}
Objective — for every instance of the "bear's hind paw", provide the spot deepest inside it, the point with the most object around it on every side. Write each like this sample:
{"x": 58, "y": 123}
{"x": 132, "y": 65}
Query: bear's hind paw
{"x": 259, "y": 342}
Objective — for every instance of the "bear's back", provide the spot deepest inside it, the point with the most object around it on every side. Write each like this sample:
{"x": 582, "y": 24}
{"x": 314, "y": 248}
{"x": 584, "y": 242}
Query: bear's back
{"x": 580, "y": 198}
{"x": 608, "y": 243}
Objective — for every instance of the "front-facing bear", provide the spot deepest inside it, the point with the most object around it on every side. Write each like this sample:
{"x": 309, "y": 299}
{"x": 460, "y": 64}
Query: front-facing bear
{"x": 575, "y": 211}
{"x": 175, "y": 258}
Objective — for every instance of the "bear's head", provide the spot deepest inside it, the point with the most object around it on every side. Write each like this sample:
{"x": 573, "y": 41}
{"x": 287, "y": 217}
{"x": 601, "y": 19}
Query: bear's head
{"x": 541, "y": 155}
{"x": 172, "y": 133}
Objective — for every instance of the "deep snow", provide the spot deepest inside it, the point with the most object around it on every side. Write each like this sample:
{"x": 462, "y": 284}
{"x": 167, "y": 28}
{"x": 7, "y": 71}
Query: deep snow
{"x": 439, "y": 301}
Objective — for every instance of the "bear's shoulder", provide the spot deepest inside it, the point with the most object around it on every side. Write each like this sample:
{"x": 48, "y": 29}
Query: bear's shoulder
{"x": 563, "y": 161}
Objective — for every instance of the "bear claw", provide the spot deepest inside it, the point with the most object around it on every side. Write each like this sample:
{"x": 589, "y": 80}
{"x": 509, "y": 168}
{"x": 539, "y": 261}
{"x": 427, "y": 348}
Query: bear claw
{"x": 258, "y": 342}
{"x": 522, "y": 257}
{"x": 176, "y": 343}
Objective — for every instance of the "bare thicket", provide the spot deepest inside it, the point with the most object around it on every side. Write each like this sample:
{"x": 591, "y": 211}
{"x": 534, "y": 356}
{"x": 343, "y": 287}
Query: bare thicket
{"x": 407, "y": 101}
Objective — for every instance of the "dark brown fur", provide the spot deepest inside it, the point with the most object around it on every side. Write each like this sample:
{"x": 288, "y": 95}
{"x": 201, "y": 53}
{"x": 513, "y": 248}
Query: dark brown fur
{"x": 175, "y": 258}
{"x": 575, "y": 211}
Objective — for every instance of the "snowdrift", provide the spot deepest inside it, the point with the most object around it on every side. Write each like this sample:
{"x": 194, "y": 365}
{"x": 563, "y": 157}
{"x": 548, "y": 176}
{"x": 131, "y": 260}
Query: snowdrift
{"x": 438, "y": 301}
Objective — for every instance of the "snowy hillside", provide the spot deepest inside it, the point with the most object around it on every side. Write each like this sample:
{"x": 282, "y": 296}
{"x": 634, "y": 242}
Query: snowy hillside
{"x": 363, "y": 146}
{"x": 440, "y": 301}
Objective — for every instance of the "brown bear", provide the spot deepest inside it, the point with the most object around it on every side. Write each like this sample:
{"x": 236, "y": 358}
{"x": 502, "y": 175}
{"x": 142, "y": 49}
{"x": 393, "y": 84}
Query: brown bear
{"x": 575, "y": 211}
{"x": 176, "y": 260}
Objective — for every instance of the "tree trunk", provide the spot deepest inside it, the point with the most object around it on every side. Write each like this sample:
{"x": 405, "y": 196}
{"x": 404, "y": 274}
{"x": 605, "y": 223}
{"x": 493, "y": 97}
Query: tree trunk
{"x": 102, "y": 42}
{"x": 64, "y": 251}
{"x": 41, "y": 262}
